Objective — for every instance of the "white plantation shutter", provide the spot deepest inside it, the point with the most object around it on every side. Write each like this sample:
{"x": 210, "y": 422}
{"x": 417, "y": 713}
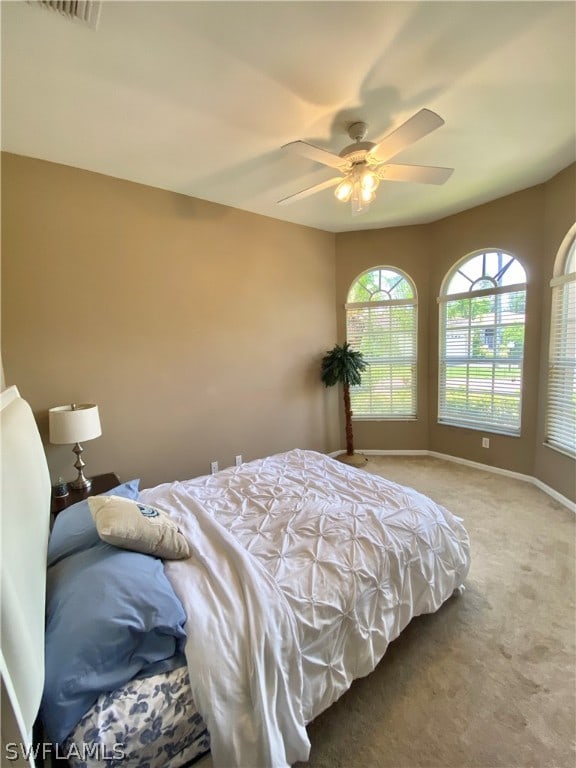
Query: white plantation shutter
{"x": 384, "y": 330}
{"x": 482, "y": 345}
{"x": 561, "y": 412}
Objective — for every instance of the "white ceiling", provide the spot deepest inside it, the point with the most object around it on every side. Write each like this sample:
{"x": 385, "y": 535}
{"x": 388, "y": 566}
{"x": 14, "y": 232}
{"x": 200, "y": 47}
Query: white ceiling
{"x": 199, "y": 97}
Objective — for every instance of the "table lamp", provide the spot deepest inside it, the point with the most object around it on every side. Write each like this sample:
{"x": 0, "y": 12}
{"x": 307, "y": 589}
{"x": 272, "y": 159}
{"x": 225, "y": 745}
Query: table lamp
{"x": 75, "y": 424}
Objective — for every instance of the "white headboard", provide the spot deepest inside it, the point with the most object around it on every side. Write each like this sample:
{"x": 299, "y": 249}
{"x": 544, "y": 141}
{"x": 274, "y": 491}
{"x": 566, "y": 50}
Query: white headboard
{"x": 25, "y": 524}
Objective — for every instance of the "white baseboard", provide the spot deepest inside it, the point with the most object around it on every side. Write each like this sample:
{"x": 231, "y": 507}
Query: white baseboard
{"x": 479, "y": 465}
{"x": 475, "y": 465}
{"x": 554, "y": 494}
{"x": 395, "y": 453}
{"x": 369, "y": 452}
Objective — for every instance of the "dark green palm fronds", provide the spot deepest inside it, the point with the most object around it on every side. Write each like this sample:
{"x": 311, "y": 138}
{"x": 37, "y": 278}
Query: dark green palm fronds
{"x": 342, "y": 365}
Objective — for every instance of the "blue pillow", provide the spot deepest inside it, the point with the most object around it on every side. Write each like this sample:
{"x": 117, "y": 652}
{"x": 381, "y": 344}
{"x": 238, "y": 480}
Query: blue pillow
{"x": 75, "y": 530}
{"x": 111, "y": 613}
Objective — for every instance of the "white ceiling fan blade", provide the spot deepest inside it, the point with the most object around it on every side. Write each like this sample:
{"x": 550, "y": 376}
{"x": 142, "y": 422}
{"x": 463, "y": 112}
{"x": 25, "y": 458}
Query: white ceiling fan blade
{"x": 311, "y": 190}
{"x": 315, "y": 153}
{"x": 423, "y": 174}
{"x": 414, "y": 128}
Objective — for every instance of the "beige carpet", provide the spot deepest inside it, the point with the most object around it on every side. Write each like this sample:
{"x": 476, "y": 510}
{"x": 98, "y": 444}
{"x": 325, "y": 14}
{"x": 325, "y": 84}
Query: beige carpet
{"x": 489, "y": 679}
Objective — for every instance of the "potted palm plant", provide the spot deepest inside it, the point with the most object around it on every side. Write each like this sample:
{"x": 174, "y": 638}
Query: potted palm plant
{"x": 342, "y": 365}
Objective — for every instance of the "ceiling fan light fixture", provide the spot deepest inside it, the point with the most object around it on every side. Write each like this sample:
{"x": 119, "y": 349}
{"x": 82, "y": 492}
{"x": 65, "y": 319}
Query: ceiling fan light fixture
{"x": 367, "y": 195}
{"x": 369, "y": 181}
{"x": 344, "y": 190}
{"x": 358, "y": 204}
{"x": 361, "y": 198}
{"x": 359, "y": 186}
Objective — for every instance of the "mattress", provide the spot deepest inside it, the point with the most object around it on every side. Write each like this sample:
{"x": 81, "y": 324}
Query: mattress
{"x": 304, "y": 570}
{"x": 149, "y": 721}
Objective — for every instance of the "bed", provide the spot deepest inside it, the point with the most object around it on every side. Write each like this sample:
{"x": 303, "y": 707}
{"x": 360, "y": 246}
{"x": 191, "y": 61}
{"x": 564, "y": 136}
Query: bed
{"x": 302, "y": 571}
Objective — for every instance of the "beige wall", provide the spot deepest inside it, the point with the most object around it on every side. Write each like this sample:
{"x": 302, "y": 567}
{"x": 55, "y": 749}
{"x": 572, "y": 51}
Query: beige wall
{"x": 198, "y": 329}
{"x": 529, "y": 224}
{"x": 512, "y": 224}
{"x": 406, "y": 248}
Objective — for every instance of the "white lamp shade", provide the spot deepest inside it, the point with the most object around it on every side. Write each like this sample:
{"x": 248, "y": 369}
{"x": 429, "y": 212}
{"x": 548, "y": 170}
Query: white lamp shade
{"x": 74, "y": 424}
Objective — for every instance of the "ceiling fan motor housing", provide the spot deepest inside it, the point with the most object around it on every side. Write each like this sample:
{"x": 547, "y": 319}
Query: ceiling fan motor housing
{"x": 356, "y": 153}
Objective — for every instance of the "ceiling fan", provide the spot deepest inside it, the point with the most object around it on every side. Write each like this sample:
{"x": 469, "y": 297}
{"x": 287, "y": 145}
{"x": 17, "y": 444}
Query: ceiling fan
{"x": 364, "y": 164}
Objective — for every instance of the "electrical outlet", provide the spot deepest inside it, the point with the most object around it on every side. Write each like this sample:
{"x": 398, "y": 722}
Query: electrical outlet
{"x": 238, "y": 459}
{"x": 485, "y": 442}
{"x": 213, "y": 467}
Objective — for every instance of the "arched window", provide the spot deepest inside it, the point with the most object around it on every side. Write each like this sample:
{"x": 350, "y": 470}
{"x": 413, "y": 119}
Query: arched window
{"x": 482, "y": 315}
{"x": 381, "y": 322}
{"x": 561, "y": 405}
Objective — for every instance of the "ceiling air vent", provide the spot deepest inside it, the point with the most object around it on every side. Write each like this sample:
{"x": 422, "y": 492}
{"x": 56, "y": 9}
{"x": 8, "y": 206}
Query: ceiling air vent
{"x": 84, "y": 11}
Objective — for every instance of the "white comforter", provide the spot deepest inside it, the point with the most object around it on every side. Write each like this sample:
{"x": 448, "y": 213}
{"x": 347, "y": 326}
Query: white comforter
{"x": 304, "y": 570}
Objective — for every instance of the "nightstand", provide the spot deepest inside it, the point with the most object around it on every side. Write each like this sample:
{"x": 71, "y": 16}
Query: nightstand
{"x": 100, "y": 484}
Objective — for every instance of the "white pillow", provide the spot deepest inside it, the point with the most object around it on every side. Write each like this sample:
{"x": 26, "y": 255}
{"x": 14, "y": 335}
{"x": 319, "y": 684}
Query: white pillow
{"x": 128, "y": 524}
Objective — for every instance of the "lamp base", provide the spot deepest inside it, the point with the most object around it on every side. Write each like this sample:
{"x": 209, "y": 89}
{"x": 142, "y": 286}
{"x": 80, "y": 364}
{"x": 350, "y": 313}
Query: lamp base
{"x": 81, "y": 484}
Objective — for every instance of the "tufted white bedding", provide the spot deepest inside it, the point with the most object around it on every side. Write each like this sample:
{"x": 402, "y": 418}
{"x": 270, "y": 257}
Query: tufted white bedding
{"x": 304, "y": 570}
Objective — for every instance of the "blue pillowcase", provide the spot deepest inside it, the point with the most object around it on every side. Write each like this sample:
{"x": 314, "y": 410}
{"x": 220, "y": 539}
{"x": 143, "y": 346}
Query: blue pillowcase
{"x": 74, "y": 529}
{"x": 111, "y": 615}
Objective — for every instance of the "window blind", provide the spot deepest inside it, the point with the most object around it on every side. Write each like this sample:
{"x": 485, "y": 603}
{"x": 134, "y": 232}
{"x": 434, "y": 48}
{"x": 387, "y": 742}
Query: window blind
{"x": 481, "y": 360}
{"x": 385, "y": 333}
{"x": 561, "y": 412}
